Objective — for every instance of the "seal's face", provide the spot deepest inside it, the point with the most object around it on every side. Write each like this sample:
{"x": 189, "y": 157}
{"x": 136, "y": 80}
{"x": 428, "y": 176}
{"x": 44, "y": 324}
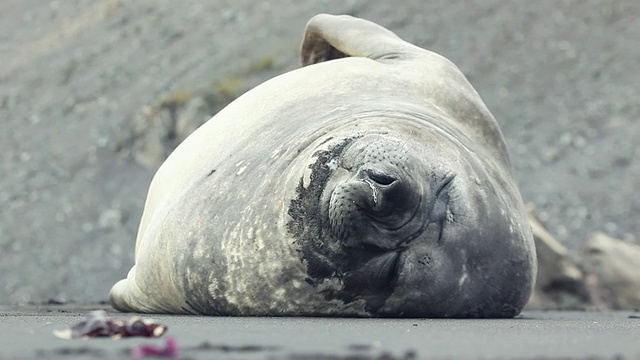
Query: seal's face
{"x": 407, "y": 228}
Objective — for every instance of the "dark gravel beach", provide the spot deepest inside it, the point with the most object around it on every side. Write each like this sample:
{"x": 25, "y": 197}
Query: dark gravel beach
{"x": 561, "y": 77}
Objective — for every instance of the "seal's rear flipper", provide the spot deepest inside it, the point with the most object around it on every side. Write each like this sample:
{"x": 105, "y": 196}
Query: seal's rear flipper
{"x": 329, "y": 37}
{"x": 318, "y": 50}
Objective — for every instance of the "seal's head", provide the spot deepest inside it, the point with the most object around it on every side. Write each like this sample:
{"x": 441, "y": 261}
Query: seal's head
{"x": 414, "y": 228}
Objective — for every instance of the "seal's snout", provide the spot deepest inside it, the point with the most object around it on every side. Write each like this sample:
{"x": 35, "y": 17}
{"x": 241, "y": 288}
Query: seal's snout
{"x": 381, "y": 186}
{"x": 374, "y": 206}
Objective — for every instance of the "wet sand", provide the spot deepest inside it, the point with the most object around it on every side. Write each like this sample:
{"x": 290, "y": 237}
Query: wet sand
{"x": 26, "y": 333}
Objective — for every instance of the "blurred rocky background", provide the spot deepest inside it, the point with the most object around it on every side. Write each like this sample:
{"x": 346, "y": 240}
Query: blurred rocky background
{"x": 95, "y": 93}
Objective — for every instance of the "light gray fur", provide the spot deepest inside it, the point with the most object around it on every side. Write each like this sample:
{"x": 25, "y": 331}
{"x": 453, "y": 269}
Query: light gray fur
{"x": 216, "y": 232}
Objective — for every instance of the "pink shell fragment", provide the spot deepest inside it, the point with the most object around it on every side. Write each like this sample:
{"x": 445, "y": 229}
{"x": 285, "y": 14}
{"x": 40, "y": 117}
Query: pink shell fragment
{"x": 170, "y": 349}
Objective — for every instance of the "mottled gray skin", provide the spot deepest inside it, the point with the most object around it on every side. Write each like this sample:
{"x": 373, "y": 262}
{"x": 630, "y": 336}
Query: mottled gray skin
{"x": 373, "y": 184}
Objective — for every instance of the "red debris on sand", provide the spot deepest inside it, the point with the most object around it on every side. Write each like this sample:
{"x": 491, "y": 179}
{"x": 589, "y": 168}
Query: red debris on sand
{"x": 170, "y": 349}
{"x": 95, "y": 324}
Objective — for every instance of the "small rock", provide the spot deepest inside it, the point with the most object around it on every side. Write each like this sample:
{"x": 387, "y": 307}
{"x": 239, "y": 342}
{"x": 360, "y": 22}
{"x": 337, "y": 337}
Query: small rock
{"x": 565, "y": 139}
{"x": 579, "y": 142}
{"x": 551, "y": 154}
{"x": 34, "y": 119}
{"x": 153, "y": 129}
{"x": 103, "y": 142}
{"x": 195, "y": 113}
{"x": 616, "y": 265}
{"x": 116, "y": 250}
{"x": 110, "y": 219}
{"x": 87, "y": 227}
{"x": 25, "y": 157}
{"x": 559, "y": 283}
{"x": 610, "y": 227}
{"x": 229, "y": 16}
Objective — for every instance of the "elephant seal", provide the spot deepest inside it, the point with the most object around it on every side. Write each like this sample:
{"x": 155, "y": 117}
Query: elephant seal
{"x": 373, "y": 181}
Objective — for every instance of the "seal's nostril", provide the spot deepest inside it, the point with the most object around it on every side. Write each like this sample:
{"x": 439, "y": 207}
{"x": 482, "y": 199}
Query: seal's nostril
{"x": 381, "y": 178}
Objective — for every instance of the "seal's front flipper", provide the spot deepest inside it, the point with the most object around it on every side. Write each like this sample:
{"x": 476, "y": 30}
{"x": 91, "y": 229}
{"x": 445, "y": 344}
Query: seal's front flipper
{"x": 329, "y": 37}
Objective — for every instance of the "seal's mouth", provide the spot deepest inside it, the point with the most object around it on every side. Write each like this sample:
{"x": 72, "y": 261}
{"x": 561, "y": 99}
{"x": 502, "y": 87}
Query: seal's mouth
{"x": 381, "y": 272}
{"x": 391, "y": 268}
{"x": 375, "y": 280}
{"x": 385, "y": 268}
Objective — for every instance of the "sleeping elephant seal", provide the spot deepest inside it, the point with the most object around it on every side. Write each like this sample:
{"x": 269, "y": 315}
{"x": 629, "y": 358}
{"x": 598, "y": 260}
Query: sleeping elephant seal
{"x": 373, "y": 181}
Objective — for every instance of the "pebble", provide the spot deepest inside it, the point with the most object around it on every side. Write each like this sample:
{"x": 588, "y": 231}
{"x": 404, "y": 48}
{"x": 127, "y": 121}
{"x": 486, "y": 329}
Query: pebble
{"x": 34, "y": 119}
{"x": 610, "y": 227}
{"x": 579, "y": 142}
{"x": 87, "y": 227}
{"x": 565, "y": 139}
{"x": 551, "y": 154}
{"x": 103, "y": 142}
{"x": 116, "y": 250}
{"x": 110, "y": 219}
{"x": 25, "y": 156}
{"x": 562, "y": 231}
